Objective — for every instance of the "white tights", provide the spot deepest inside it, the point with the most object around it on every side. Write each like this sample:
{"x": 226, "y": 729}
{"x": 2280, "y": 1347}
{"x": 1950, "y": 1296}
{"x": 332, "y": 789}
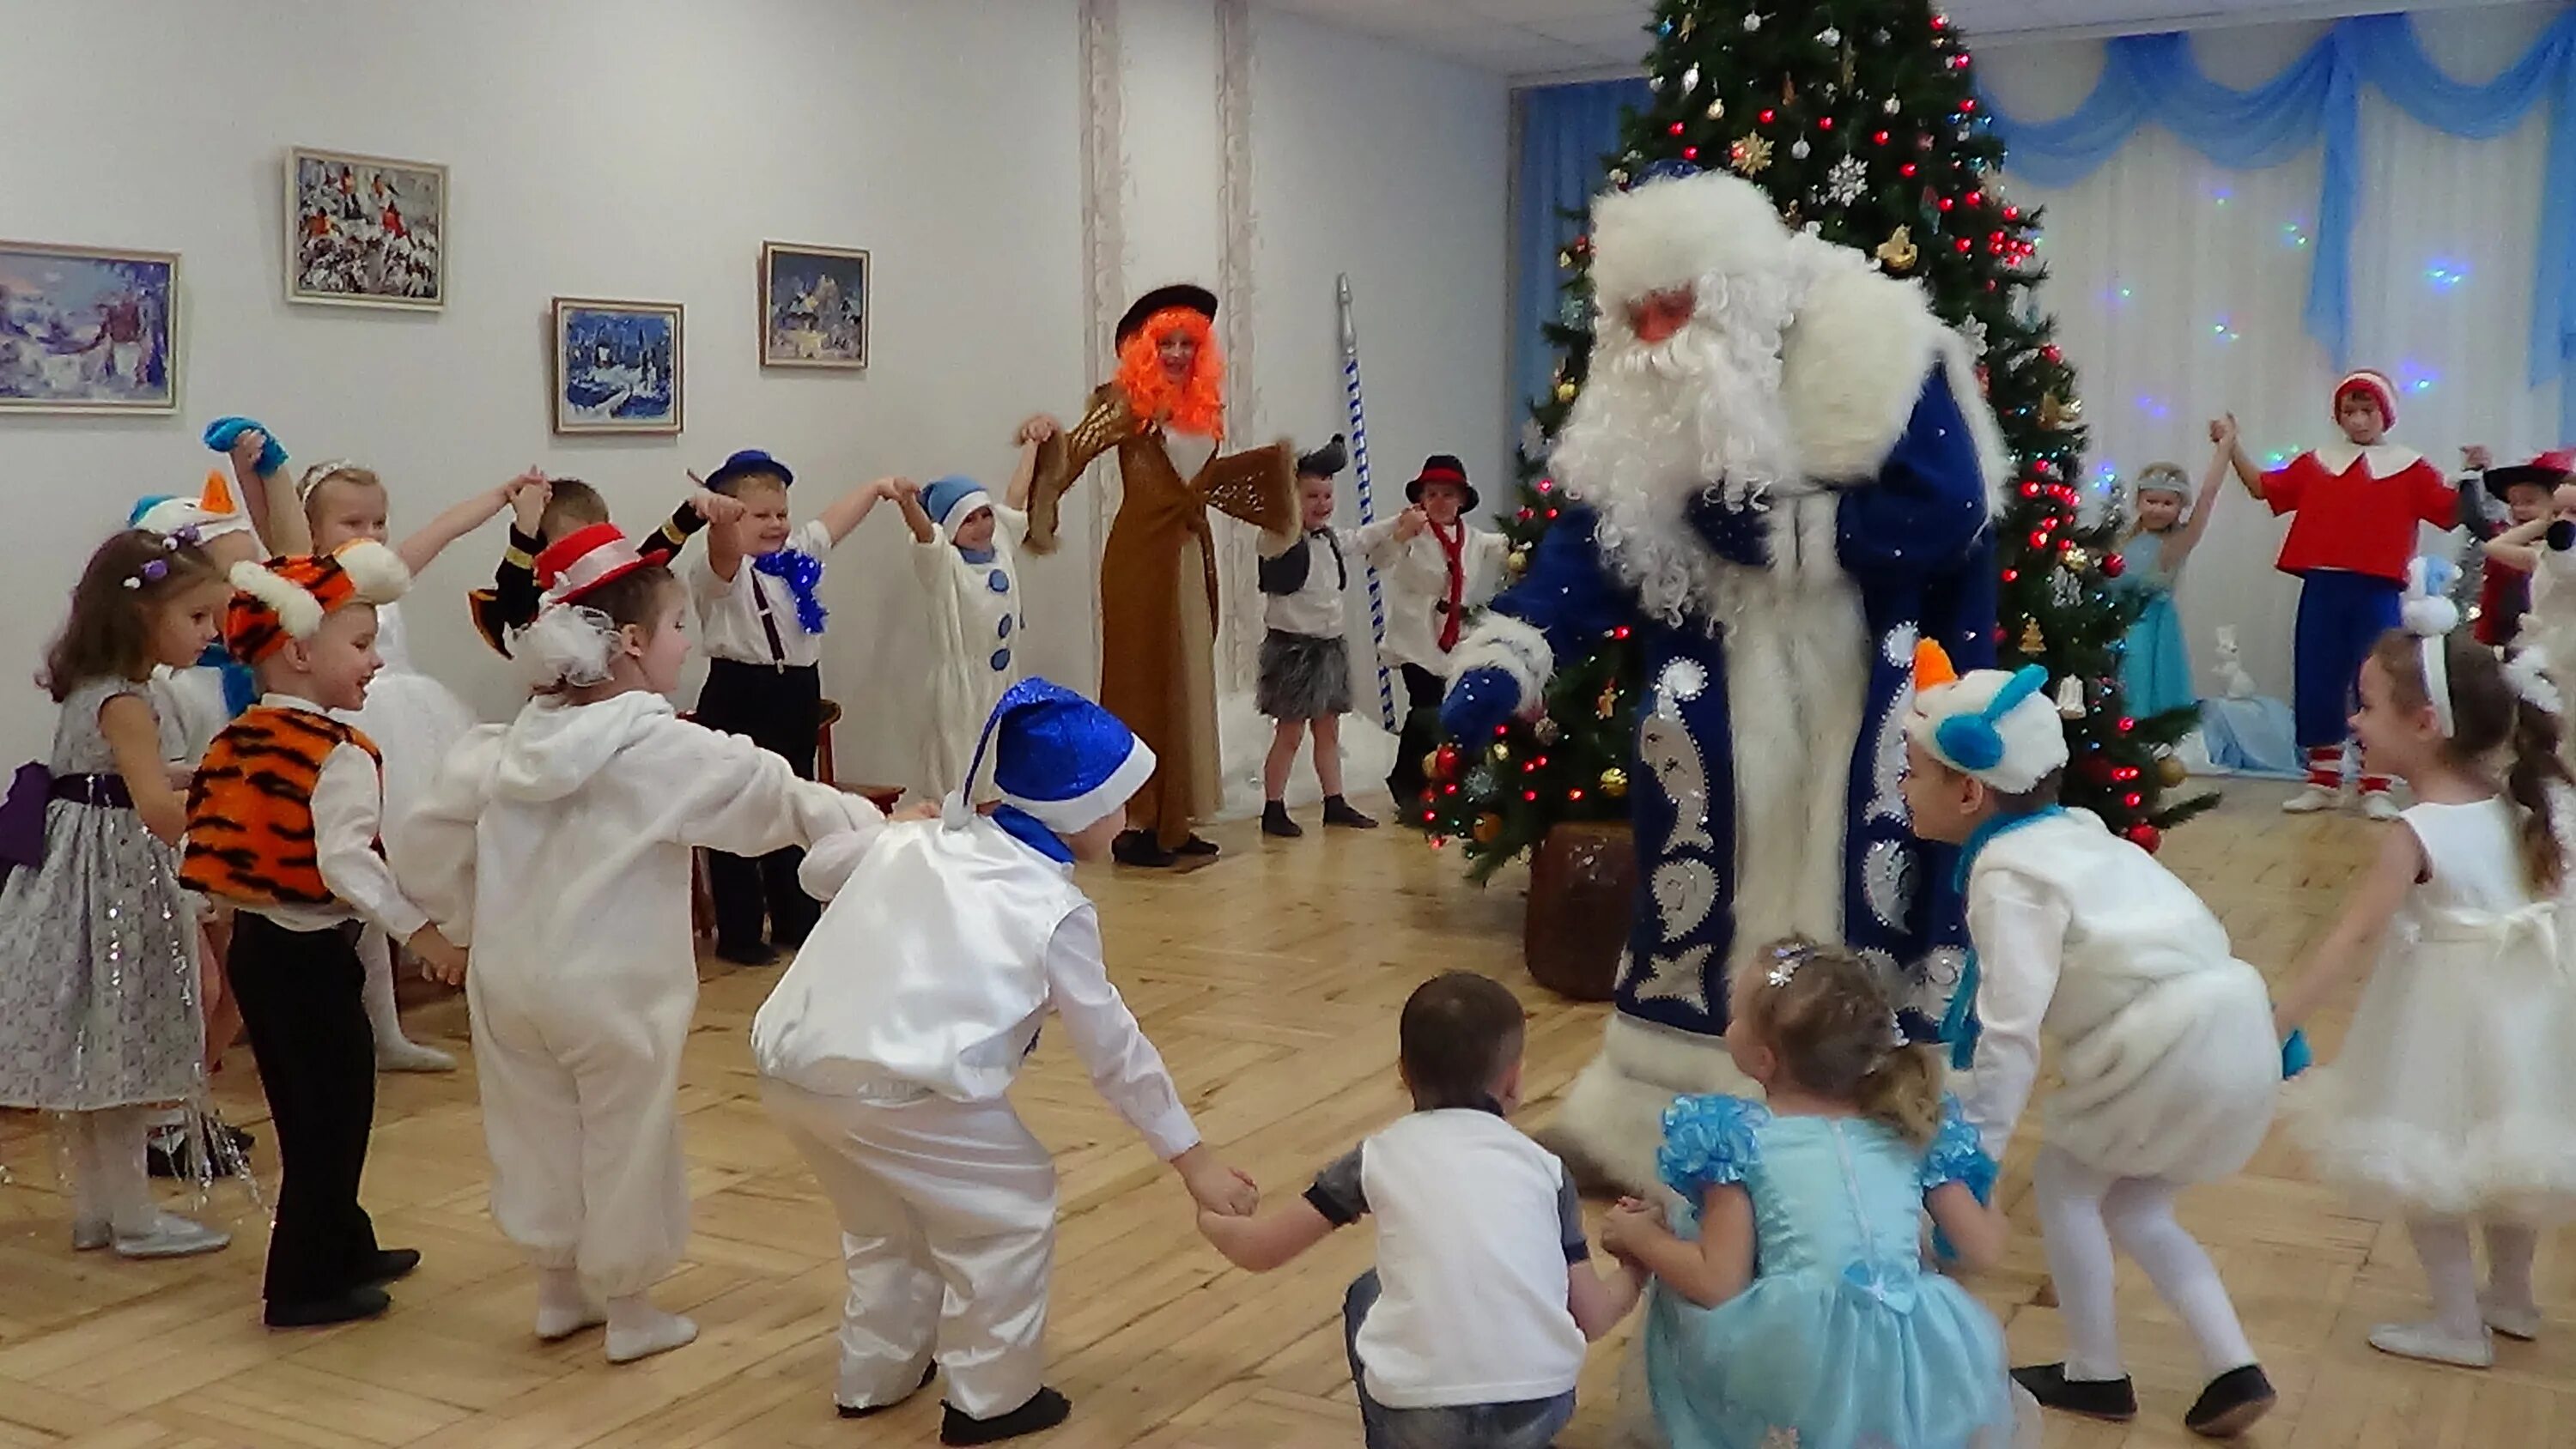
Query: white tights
{"x": 375, "y": 952}
{"x": 109, "y": 1184}
{"x": 2082, "y": 1211}
{"x": 2442, "y": 1246}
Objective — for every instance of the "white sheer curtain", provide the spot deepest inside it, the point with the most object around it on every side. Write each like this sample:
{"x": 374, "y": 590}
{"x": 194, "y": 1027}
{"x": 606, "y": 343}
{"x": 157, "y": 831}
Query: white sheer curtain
{"x": 2177, "y": 287}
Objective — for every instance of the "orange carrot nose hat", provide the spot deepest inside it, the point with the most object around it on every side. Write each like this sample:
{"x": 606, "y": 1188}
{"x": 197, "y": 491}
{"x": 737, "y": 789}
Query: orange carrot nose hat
{"x": 288, "y": 598}
{"x": 210, "y": 515}
{"x": 1996, "y": 726}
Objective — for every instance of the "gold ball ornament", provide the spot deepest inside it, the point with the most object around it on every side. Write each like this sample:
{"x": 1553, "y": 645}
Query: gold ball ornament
{"x": 1488, "y": 828}
{"x": 2170, "y": 772}
{"x": 1614, "y": 782}
{"x": 1431, "y": 765}
{"x": 2076, "y": 560}
{"x": 1516, "y": 563}
{"x": 1750, "y": 155}
{"x": 1565, "y": 392}
{"x": 2058, "y": 414}
{"x": 1898, "y": 253}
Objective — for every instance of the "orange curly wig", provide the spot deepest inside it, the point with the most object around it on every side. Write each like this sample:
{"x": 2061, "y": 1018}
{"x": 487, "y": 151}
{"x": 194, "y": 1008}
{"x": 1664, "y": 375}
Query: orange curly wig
{"x": 1197, "y": 405}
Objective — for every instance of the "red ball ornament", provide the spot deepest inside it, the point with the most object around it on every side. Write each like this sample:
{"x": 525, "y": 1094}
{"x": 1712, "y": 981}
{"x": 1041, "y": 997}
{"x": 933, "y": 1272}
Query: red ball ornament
{"x": 2039, "y": 538}
{"x": 1690, "y": 153}
{"x": 1546, "y": 485}
{"x": 1970, "y": 104}
{"x": 2133, "y": 799}
{"x": 2012, "y": 576}
{"x": 1824, "y": 123}
{"x": 2127, "y": 724}
{"x": 2053, "y": 352}
{"x": 2113, "y": 566}
{"x": 1878, "y": 138}
{"x": 1946, "y": 203}
{"x": 1674, "y": 129}
{"x": 2012, "y": 213}
{"x": 1767, "y": 115}
{"x": 2146, "y": 837}
{"x": 1444, "y": 762}
{"x": 1905, "y": 170}
{"x": 2029, "y": 489}
{"x": 1940, "y": 21}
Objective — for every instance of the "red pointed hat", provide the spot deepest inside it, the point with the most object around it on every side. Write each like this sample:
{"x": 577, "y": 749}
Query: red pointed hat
{"x": 584, "y": 559}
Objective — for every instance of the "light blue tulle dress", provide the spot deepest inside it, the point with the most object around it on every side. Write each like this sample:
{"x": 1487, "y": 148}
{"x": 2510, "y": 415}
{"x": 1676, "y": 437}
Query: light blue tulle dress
{"x": 1844, "y": 1339}
{"x": 2155, "y": 667}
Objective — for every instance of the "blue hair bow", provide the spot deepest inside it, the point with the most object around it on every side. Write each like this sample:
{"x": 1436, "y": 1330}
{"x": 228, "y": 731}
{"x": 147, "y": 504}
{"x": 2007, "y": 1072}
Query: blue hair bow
{"x": 1975, "y": 742}
{"x": 801, "y": 572}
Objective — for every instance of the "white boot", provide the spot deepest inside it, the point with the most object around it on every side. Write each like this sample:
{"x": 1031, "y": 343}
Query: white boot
{"x": 1612, "y": 1120}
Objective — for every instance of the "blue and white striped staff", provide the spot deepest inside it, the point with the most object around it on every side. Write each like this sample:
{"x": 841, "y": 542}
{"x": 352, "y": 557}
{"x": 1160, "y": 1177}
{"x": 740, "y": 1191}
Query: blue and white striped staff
{"x": 1368, "y": 505}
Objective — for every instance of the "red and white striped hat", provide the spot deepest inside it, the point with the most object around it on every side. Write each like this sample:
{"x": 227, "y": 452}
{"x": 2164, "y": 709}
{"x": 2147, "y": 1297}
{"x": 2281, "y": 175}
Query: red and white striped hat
{"x": 579, "y": 562}
{"x": 2363, "y": 379}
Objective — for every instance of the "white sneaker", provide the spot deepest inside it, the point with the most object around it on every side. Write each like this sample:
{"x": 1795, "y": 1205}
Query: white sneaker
{"x": 171, "y": 1237}
{"x": 2379, "y": 805}
{"x": 2311, "y": 800}
{"x": 2515, "y": 1321}
{"x": 410, "y": 1056}
{"x": 2434, "y": 1344}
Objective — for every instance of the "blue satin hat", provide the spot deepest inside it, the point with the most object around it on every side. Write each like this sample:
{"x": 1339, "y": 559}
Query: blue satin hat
{"x": 748, "y": 462}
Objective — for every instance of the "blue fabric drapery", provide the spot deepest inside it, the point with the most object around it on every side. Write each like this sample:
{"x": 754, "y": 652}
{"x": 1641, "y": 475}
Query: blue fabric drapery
{"x": 1568, "y": 134}
{"x": 2317, "y": 100}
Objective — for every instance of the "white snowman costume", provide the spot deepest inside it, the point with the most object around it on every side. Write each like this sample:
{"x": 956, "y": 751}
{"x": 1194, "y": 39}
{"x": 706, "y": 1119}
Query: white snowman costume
{"x": 557, "y": 847}
{"x": 2167, "y": 1061}
{"x": 976, "y": 619}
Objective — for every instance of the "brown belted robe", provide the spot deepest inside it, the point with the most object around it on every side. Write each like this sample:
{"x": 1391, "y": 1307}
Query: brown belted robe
{"x": 1158, "y": 598}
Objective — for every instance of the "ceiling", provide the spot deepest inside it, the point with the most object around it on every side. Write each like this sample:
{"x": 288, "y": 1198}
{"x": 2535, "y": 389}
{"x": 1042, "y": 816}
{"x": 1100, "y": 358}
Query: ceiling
{"x": 1532, "y": 40}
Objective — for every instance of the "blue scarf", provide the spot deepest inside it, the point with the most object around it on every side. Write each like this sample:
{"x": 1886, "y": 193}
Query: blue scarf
{"x": 975, "y": 555}
{"x": 1959, "y": 1023}
{"x": 801, "y": 572}
{"x": 241, "y": 687}
{"x": 1030, "y": 831}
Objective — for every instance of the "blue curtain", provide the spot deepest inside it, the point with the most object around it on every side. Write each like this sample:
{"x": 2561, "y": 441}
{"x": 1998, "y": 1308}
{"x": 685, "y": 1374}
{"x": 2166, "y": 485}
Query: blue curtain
{"x": 1568, "y": 134}
{"x": 2317, "y": 100}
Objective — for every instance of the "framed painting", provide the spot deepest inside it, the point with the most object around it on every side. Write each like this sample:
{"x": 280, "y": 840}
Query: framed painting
{"x": 88, "y": 330}
{"x": 365, "y": 231}
{"x": 813, "y": 306}
{"x": 617, "y": 366}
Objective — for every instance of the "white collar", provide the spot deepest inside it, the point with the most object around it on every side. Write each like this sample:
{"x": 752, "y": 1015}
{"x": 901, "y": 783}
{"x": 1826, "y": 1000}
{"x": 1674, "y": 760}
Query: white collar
{"x": 275, "y": 700}
{"x": 2384, "y": 460}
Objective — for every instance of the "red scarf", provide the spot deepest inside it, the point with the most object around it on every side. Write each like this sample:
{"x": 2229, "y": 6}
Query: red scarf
{"x": 1453, "y": 551}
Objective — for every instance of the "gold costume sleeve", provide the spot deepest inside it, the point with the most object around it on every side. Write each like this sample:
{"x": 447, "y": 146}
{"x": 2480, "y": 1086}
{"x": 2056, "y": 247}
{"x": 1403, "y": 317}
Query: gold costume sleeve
{"x": 1062, "y": 458}
{"x": 1258, "y": 487}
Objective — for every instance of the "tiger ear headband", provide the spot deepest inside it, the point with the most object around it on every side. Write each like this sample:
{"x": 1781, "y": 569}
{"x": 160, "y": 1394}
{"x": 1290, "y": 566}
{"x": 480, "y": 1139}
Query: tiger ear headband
{"x": 1992, "y": 726}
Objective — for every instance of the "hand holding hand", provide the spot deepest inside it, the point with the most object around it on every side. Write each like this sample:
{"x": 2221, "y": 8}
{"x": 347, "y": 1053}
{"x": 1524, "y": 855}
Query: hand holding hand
{"x": 1215, "y": 1187}
{"x": 900, "y": 489}
{"x": 529, "y": 495}
{"x": 247, "y": 447}
{"x": 1410, "y": 523}
{"x": 2478, "y": 456}
{"x": 1631, "y": 1221}
{"x": 1038, "y": 429}
{"x": 2223, "y": 430}
{"x": 441, "y": 959}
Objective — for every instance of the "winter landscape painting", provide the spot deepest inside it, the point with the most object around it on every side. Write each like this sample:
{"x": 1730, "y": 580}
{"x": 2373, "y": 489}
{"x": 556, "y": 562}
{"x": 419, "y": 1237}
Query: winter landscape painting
{"x": 813, "y": 306}
{"x": 617, "y": 366}
{"x": 365, "y": 231}
{"x": 86, "y": 330}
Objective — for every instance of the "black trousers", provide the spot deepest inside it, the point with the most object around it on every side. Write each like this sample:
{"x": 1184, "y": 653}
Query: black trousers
{"x": 1419, "y": 736}
{"x": 780, "y": 710}
{"x": 302, "y": 996}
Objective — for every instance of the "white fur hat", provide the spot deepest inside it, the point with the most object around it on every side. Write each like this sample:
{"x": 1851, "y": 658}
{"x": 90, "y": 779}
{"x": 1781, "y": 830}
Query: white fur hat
{"x": 1990, "y": 725}
{"x": 1669, "y": 234}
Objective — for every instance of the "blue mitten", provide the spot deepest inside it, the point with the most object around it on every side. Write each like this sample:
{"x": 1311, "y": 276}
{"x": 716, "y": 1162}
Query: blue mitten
{"x": 1479, "y": 701}
{"x": 2295, "y": 1056}
{"x": 1738, "y": 535}
{"x": 223, "y": 432}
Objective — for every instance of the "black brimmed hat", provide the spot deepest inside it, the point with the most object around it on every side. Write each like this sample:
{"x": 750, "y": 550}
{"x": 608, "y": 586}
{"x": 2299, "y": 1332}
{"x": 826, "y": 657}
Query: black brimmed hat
{"x": 1162, "y": 299}
{"x": 1327, "y": 461}
{"x": 2546, "y": 471}
{"x": 1441, "y": 468}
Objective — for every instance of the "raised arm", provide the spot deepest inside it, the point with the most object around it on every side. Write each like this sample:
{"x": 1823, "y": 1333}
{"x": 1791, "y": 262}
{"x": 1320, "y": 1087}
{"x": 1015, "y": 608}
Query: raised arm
{"x": 907, "y": 496}
{"x": 2205, "y": 503}
{"x": 423, "y": 547}
{"x": 2518, "y": 547}
{"x": 2348, "y": 948}
{"x": 1025, "y": 472}
{"x": 1063, "y": 454}
{"x": 268, "y": 501}
{"x": 724, "y": 544}
{"x": 850, "y": 509}
{"x": 2224, "y": 432}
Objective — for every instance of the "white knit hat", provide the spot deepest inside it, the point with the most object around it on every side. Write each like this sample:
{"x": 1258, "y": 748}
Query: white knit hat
{"x": 1990, "y": 725}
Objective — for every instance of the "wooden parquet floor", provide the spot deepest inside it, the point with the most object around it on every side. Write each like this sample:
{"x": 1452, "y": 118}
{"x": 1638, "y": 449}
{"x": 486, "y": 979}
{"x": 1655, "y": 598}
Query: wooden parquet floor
{"x": 1271, "y": 981}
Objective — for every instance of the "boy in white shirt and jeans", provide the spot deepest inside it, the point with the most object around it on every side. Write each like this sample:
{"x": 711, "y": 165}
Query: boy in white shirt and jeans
{"x": 1470, "y": 1331}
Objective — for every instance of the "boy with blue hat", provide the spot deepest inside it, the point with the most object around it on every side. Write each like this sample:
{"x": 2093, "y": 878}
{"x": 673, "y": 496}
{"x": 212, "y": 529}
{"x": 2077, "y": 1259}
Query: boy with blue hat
{"x": 760, "y": 620}
{"x": 2166, "y": 1061}
{"x": 888, "y": 1049}
{"x": 970, "y": 578}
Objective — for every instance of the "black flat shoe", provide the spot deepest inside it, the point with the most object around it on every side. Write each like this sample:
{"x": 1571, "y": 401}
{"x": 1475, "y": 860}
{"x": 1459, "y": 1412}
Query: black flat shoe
{"x": 1045, "y": 1409}
{"x": 1338, "y": 811}
{"x": 870, "y": 1411}
{"x": 2112, "y": 1399}
{"x": 349, "y": 1307}
{"x": 1195, "y": 846}
{"x": 1137, "y": 848}
{"x": 1275, "y": 821}
{"x": 2231, "y": 1403}
{"x": 755, "y": 954}
{"x": 390, "y": 1265}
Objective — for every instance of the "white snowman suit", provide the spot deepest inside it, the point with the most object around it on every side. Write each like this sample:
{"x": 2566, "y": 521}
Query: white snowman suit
{"x": 976, "y": 623}
{"x": 2166, "y": 1056}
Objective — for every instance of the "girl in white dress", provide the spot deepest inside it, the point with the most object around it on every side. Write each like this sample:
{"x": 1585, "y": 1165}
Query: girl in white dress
{"x": 413, "y": 719}
{"x": 2454, "y": 1096}
{"x": 970, "y": 578}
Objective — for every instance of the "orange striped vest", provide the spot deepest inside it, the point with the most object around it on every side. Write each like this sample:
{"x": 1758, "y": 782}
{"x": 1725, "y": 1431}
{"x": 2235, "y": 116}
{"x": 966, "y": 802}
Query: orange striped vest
{"x": 250, "y": 808}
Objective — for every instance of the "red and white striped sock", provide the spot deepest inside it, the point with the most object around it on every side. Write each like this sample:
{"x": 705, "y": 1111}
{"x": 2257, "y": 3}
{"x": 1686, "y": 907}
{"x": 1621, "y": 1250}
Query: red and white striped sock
{"x": 2325, "y": 767}
{"x": 2377, "y": 784}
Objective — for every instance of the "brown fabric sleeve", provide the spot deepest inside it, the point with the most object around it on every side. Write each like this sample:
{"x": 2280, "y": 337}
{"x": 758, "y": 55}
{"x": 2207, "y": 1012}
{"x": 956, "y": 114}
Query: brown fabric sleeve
{"x": 1258, "y": 487}
{"x": 1062, "y": 458}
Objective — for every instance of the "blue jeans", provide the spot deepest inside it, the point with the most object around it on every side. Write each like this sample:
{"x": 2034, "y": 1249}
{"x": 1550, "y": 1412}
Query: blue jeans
{"x": 1529, "y": 1424}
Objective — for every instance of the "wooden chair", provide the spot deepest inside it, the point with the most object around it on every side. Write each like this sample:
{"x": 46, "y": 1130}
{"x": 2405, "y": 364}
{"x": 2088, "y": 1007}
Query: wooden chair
{"x": 702, "y": 906}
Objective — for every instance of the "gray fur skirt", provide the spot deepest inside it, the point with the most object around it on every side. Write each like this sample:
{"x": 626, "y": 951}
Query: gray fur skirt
{"x": 1303, "y": 676}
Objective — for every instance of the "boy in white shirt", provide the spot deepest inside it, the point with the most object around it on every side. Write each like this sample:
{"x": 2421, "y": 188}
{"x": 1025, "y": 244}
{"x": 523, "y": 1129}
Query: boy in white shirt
{"x": 1305, "y": 676}
{"x": 1438, "y": 568}
{"x": 760, "y": 621}
{"x": 888, "y": 1050}
{"x": 1469, "y": 1333}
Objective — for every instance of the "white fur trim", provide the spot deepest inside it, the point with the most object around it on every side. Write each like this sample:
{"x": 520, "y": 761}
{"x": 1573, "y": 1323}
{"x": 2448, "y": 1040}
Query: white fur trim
{"x": 376, "y": 572}
{"x": 1672, "y": 234}
{"x": 298, "y": 612}
{"x": 1612, "y": 1119}
{"x": 1852, "y": 366}
{"x": 1068, "y": 817}
{"x": 1502, "y": 642}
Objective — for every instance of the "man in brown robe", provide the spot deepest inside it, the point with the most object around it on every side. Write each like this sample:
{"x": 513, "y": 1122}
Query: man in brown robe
{"x": 1164, "y": 414}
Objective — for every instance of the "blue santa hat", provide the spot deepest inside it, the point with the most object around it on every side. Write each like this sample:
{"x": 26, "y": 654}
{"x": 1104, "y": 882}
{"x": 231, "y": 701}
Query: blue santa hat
{"x": 950, "y": 501}
{"x": 1057, "y": 757}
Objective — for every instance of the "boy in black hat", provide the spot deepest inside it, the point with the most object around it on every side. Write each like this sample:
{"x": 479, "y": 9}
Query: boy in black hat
{"x": 555, "y": 509}
{"x": 1305, "y": 662}
{"x": 760, "y": 621}
{"x": 2504, "y": 583}
{"x": 1439, "y": 569}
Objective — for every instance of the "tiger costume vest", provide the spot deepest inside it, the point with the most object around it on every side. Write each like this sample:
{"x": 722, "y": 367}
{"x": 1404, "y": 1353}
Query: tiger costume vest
{"x": 250, "y": 807}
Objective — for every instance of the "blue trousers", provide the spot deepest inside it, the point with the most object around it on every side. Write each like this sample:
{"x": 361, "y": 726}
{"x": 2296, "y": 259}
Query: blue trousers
{"x": 2341, "y": 615}
{"x": 1531, "y": 1424}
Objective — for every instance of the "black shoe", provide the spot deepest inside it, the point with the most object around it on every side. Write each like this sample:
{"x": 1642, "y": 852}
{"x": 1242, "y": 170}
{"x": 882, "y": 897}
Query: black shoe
{"x": 171, "y": 1152}
{"x": 2231, "y": 1403}
{"x": 1275, "y": 821}
{"x": 1195, "y": 846}
{"x": 389, "y": 1265}
{"x": 2112, "y": 1399}
{"x": 1045, "y": 1409}
{"x": 755, "y": 954}
{"x": 869, "y": 1411}
{"x": 1137, "y": 847}
{"x": 1338, "y": 811}
{"x": 349, "y": 1307}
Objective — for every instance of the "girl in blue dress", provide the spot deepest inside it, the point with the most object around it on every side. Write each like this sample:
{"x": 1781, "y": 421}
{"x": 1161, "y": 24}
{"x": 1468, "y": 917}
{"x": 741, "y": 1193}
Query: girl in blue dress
{"x": 1793, "y": 1309}
{"x": 2155, "y": 669}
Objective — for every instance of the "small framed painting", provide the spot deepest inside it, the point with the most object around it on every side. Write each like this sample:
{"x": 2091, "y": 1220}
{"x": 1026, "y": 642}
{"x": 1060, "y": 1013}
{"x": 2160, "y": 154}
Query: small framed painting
{"x": 365, "y": 231}
{"x": 88, "y": 330}
{"x": 617, "y": 366}
{"x": 813, "y": 306}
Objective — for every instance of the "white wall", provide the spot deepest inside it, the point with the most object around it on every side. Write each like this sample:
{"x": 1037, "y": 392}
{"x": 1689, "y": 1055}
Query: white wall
{"x": 645, "y": 148}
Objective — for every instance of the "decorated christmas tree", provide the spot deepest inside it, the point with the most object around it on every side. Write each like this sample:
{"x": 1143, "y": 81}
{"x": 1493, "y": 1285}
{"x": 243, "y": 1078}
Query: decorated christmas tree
{"x": 1860, "y": 118}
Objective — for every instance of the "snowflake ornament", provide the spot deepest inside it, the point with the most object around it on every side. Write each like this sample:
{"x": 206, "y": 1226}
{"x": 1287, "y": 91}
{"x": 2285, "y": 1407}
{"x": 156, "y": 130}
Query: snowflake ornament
{"x": 1974, "y": 329}
{"x": 1845, "y": 182}
{"x": 1750, "y": 155}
